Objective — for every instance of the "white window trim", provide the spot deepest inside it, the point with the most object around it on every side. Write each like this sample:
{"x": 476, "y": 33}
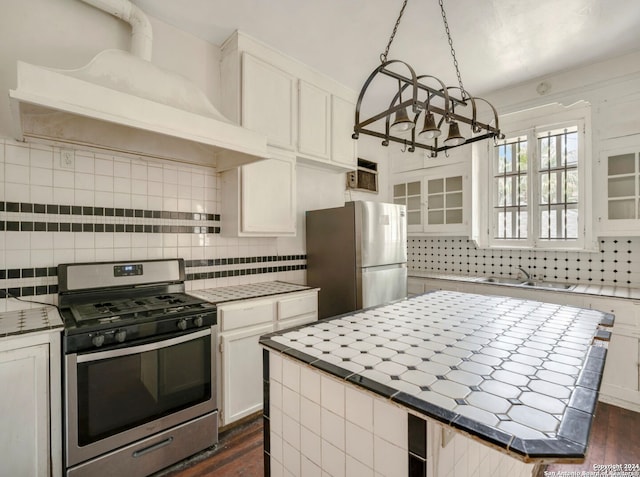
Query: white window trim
{"x": 527, "y": 123}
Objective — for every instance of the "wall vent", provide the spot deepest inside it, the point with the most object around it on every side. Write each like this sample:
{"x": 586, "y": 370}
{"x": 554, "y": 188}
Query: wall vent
{"x": 365, "y": 178}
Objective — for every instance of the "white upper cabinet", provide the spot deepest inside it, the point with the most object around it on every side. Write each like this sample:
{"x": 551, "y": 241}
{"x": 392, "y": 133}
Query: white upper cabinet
{"x": 268, "y": 101}
{"x": 259, "y": 199}
{"x": 437, "y": 200}
{"x": 314, "y": 121}
{"x": 275, "y": 179}
{"x": 298, "y": 108}
{"x": 343, "y": 146}
{"x": 617, "y": 198}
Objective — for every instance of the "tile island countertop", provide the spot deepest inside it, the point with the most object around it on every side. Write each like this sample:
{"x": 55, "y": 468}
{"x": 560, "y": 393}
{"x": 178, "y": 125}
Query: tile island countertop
{"x": 521, "y": 375}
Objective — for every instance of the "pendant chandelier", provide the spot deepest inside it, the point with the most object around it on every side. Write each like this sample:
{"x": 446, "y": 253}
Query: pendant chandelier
{"x": 419, "y": 121}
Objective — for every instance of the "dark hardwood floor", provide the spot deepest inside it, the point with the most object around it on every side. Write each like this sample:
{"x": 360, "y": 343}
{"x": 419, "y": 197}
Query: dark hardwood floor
{"x": 615, "y": 439}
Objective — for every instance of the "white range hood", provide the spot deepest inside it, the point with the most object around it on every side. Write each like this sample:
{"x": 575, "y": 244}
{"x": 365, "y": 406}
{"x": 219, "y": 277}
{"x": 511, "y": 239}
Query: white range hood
{"x": 121, "y": 101}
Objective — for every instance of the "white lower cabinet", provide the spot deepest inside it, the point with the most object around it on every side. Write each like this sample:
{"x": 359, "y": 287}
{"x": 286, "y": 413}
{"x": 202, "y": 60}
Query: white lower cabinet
{"x": 30, "y": 412}
{"x": 241, "y": 372}
{"x": 621, "y": 380}
{"x": 242, "y": 323}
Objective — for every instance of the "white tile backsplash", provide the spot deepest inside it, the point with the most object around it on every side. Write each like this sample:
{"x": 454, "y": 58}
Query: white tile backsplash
{"x": 34, "y": 174}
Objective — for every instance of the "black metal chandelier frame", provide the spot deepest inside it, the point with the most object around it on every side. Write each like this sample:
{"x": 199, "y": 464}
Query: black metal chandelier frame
{"x": 417, "y": 88}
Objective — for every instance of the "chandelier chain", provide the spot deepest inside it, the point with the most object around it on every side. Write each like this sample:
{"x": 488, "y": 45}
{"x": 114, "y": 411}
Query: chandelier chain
{"x": 383, "y": 56}
{"x": 453, "y": 52}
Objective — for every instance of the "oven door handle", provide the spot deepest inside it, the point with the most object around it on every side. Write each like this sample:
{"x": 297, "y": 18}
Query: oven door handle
{"x": 115, "y": 353}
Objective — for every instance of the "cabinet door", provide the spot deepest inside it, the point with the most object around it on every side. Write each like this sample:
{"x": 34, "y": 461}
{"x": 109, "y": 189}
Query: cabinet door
{"x": 444, "y": 202}
{"x": 241, "y": 372}
{"x": 268, "y": 197}
{"x": 343, "y": 146}
{"x": 268, "y": 101}
{"x": 314, "y": 116}
{"x": 409, "y": 193}
{"x": 618, "y": 202}
{"x": 621, "y": 369}
{"x": 24, "y": 411}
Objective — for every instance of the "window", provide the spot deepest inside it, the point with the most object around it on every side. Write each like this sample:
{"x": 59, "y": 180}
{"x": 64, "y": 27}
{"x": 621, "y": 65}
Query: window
{"x": 538, "y": 187}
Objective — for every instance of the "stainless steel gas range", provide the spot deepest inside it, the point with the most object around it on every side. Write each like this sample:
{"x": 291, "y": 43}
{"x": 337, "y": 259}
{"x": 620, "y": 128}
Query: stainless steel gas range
{"x": 139, "y": 367}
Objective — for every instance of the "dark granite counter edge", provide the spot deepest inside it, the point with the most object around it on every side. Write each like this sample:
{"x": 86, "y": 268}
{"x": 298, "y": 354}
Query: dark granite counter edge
{"x": 572, "y": 437}
{"x": 218, "y": 302}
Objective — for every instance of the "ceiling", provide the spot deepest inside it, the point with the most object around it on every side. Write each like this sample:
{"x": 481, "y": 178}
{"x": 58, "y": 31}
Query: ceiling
{"x": 497, "y": 42}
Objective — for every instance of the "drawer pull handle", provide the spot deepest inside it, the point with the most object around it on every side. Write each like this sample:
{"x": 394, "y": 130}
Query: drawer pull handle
{"x": 156, "y": 446}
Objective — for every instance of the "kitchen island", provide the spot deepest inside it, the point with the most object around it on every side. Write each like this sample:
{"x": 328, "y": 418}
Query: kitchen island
{"x": 441, "y": 384}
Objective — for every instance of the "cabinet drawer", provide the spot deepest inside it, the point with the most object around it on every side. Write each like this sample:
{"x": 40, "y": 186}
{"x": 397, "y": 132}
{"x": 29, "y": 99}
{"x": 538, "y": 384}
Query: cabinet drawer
{"x": 246, "y": 313}
{"x": 297, "y": 321}
{"x": 298, "y": 305}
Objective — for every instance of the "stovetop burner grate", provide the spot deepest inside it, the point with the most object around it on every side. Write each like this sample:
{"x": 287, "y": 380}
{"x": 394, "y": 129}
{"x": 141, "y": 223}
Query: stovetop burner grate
{"x": 132, "y": 307}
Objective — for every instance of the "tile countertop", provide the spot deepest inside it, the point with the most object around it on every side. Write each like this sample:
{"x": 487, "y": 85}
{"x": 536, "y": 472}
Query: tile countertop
{"x": 522, "y": 375}
{"x": 245, "y": 292}
{"x": 27, "y": 321}
{"x": 588, "y": 289}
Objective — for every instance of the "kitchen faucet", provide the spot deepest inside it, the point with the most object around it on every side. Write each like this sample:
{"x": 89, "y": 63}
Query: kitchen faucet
{"x": 525, "y": 273}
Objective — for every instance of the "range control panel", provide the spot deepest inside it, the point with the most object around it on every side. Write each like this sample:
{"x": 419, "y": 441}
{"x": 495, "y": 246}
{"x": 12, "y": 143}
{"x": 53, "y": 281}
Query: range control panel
{"x": 128, "y": 270}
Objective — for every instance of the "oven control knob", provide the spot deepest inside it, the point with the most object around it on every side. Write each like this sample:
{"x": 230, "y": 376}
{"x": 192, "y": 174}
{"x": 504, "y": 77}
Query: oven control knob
{"x": 98, "y": 340}
{"x": 182, "y": 324}
{"x": 198, "y": 321}
{"x": 120, "y": 335}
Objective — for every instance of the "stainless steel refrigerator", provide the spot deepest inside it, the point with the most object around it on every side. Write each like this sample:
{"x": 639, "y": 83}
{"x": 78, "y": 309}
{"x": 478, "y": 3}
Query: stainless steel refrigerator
{"x": 357, "y": 255}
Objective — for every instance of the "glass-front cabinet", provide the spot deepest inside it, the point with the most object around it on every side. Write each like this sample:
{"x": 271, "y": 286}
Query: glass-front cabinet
{"x": 618, "y": 201}
{"x": 435, "y": 200}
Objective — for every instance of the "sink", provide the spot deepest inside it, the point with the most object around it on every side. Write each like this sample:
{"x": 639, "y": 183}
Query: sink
{"x": 555, "y": 286}
{"x": 502, "y": 280}
{"x": 527, "y": 283}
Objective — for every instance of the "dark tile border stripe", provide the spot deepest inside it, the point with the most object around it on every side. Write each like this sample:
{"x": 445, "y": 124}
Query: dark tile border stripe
{"x": 13, "y": 226}
{"x": 266, "y": 413}
{"x": 55, "y": 209}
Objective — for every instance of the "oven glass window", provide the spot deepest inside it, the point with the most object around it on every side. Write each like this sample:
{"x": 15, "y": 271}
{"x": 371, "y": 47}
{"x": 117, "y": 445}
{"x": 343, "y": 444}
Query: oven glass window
{"x": 120, "y": 393}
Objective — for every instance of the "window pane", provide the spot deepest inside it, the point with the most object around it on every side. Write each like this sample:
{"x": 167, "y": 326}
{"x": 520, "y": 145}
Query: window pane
{"x": 413, "y": 218}
{"x": 436, "y": 217}
{"x": 511, "y": 223}
{"x": 413, "y": 203}
{"x": 399, "y": 190}
{"x": 623, "y": 164}
{"x": 549, "y": 188}
{"x": 622, "y": 209}
{"x": 454, "y": 183}
{"x": 559, "y": 184}
{"x": 511, "y": 188}
{"x": 413, "y": 188}
{"x": 622, "y": 186}
{"x": 435, "y": 186}
{"x": 522, "y": 195}
{"x": 454, "y": 199}
{"x": 454, "y": 216}
{"x": 558, "y": 223}
{"x": 400, "y": 200}
{"x": 436, "y": 201}
{"x": 571, "y": 186}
